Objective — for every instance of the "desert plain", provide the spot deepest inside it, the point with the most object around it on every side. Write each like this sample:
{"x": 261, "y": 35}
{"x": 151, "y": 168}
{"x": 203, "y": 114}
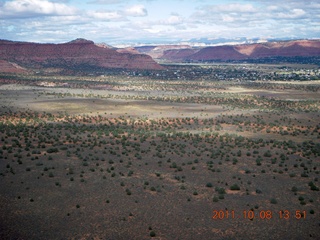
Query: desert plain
{"x": 141, "y": 156}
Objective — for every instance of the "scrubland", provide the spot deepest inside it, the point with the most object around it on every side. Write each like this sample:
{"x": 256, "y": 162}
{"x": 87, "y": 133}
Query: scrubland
{"x": 138, "y": 157}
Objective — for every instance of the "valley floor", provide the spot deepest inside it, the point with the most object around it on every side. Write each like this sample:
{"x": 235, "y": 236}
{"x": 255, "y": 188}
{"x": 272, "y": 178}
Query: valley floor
{"x": 142, "y": 158}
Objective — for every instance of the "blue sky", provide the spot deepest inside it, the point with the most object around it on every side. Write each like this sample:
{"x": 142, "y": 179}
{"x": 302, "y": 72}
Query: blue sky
{"x": 157, "y": 21}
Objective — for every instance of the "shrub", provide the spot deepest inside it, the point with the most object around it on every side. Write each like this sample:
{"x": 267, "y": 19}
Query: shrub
{"x": 313, "y": 187}
{"x": 220, "y": 190}
{"x": 209, "y": 185}
{"x": 303, "y": 202}
{"x": 273, "y": 201}
{"x": 52, "y": 150}
{"x": 258, "y": 191}
{"x": 128, "y": 191}
{"x": 152, "y": 234}
{"x": 234, "y": 187}
{"x": 267, "y": 154}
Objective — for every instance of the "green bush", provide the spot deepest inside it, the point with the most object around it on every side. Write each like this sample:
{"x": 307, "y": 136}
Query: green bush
{"x": 313, "y": 187}
{"x": 234, "y": 187}
{"x": 273, "y": 201}
{"x": 303, "y": 202}
{"x": 152, "y": 234}
{"x": 220, "y": 190}
{"x": 215, "y": 199}
{"x": 128, "y": 191}
{"x": 221, "y": 196}
{"x": 52, "y": 150}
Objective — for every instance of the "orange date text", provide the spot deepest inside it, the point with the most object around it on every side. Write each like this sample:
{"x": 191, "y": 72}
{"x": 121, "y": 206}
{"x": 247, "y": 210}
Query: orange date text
{"x": 258, "y": 214}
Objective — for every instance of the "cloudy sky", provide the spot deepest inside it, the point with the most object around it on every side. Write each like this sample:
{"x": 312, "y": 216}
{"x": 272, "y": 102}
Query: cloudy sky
{"x": 148, "y": 21}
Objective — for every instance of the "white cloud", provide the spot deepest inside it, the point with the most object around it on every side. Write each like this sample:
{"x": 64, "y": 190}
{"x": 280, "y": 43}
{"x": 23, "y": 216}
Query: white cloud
{"x": 105, "y": 1}
{"x": 136, "y": 11}
{"x": 227, "y": 18}
{"x": 123, "y": 20}
{"x": 272, "y": 8}
{"x": 172, "y": 20}
{"x": 105, "y": 15}
{"x": 233, "y": 7}
{"x": 34, "y": 8}
{"x": 294, "y": 13}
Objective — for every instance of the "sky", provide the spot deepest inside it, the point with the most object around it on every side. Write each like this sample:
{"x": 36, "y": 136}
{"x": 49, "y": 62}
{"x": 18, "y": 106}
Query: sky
{"x": 157, "y": 21}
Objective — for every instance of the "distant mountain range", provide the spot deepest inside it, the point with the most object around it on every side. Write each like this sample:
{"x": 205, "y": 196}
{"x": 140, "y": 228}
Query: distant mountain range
{"x": 294, "y": 48}
{"x": 83, "y": 55}
{"x": 77, "y": 55}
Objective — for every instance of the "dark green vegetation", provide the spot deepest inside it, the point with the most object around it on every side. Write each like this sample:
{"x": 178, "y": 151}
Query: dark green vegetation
{"x": 115, "y": 158}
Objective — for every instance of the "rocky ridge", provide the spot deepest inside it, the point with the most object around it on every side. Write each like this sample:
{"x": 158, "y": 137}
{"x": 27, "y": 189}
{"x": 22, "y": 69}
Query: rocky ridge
{"x": 296, "y": 48}
{"x": 77, "y": 54}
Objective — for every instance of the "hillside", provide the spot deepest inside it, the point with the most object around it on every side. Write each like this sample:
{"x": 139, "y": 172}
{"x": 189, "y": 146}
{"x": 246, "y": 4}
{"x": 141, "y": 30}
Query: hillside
{"x": 217, "y": 53}
{"x": 77, "y": 54}
{"x": 297, "y": 48}
{"x": 9, "y": 67}
{"x": 167, "y": 51}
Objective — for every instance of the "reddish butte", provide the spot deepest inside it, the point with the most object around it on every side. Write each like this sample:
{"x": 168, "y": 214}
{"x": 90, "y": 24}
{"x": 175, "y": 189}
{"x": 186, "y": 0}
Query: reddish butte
{"x": 298, "y": 48}
{"x": 79, "y": 52}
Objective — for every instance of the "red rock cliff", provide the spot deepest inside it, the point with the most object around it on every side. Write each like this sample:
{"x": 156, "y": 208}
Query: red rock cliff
{"x": 77, "y": 53}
